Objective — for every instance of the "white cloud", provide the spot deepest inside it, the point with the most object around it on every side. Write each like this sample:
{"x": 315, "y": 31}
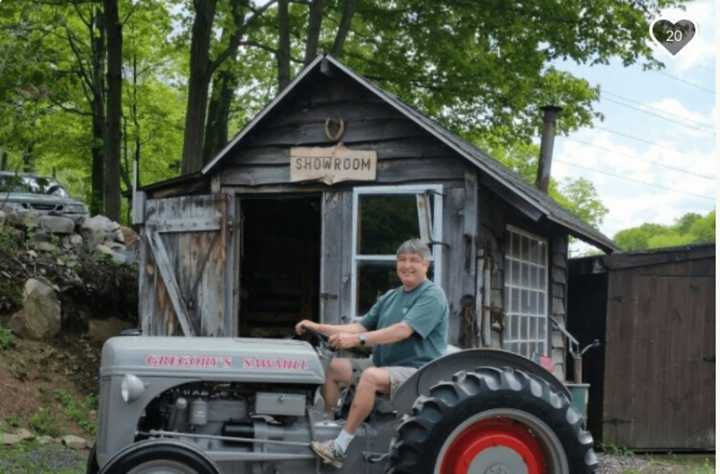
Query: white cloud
{"x": 669, "y": 194}
{"x": 675, "y": 109}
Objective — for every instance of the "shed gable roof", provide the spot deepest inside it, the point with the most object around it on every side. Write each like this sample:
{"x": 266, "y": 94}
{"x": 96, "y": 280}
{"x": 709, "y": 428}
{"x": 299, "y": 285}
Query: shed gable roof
{"x": 508, "y": 179}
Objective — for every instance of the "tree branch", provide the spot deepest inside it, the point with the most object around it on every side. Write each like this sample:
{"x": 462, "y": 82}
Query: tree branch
{"x": 344, "y": 27}
{"x": 241, "y": 26}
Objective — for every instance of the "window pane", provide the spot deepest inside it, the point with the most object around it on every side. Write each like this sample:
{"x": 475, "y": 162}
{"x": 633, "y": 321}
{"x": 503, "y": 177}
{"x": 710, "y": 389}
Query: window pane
{"x": 534, "y": 277}
{"x": 541, "y": 279}
{"x": 541, "y": 303}
{"x": 541, "y": 329}
{"x": 534, "y": 251}
{"x": 524, "y": 248}
{"x": 525, "y": 279}
{"x": 386, "y": 221}
{"x": 523, "y": 328}
{"x": 523, "y": 349}
{"x": 374, "y": 279}
{"x": 533, "y": 329}
{"x": 525, "y": 302}
{"x": 543, "y": 251}
{"x": 515, "y": 248}
{"x": 515, "y": 308}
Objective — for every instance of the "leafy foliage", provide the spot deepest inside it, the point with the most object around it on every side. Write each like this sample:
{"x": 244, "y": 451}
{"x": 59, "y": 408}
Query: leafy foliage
{"x": 482, "y": 71}
{"x": 576, "y": 195}
{"x": 691, "y": 228}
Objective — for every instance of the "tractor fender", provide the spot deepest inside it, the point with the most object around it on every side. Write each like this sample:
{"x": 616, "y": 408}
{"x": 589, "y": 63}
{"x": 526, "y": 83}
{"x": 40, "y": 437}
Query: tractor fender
{"x": 470, "y": 359}
{"x": 159, "y": 443}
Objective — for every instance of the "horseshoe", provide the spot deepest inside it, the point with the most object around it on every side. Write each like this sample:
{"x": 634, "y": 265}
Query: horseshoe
{"x": 333, "y": 137}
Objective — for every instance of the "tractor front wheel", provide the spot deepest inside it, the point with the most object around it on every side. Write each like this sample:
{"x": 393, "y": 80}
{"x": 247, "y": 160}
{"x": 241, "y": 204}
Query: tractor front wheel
{"x": 160, "y": 459}
{"x": 492, "y": 421}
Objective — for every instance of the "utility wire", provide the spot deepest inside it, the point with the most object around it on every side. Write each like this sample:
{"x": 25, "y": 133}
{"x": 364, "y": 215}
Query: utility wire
{"x": 694, "y": 127}
{"x": 626, "y": 135}
{"x": 679, "y": 79}
{"x": 625, "y": 178}
{"x": 634, "y": 157}
{"x": 657, "y": 110}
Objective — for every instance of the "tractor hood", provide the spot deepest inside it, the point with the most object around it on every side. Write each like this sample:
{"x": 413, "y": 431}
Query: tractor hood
{"x": 213, "y": 358}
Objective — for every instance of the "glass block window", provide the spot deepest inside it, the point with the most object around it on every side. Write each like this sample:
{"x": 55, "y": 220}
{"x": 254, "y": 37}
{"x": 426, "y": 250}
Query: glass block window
{"x": 526, "y": 294}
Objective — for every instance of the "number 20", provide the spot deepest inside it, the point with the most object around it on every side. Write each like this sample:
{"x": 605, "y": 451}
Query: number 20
{"x": 674, "y": 36}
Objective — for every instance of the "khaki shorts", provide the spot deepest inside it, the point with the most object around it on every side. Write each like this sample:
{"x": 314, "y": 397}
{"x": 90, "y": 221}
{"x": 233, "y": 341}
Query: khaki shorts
{"x": 398, "y": 375}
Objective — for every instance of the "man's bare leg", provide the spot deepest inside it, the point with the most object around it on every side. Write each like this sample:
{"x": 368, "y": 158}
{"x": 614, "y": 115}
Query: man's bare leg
{"x": 339, "y": 372}
{"x": 372, "y": 380}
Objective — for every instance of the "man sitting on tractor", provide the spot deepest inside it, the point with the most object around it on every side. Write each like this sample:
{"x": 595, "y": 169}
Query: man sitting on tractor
{"x": 407, "y": 328}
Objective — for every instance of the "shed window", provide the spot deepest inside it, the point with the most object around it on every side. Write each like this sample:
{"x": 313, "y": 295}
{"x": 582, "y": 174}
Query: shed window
{"x": 526, "y": 302}
{"x": 383, "y": 218}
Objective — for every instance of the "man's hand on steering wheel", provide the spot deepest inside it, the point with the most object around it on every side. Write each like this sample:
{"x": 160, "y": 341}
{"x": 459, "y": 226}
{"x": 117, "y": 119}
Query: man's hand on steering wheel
{"x": 343, "y": 341}
{"x": 305, "y": 324}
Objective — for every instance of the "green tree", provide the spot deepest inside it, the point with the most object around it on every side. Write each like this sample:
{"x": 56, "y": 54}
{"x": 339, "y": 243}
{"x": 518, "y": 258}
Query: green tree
{"x": 691, "y": 228}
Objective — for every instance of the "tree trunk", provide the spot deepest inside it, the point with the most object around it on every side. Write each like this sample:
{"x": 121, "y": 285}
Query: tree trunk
{"x": 216, "y": 135}
{"x": 344, "y": 27}
{"x": 313, "y": 31}
{"x": 97, "y": 34}
{"x": 114, "y": 111}
{"x": 198, "y": 85}
{"x": 283, "y": 52}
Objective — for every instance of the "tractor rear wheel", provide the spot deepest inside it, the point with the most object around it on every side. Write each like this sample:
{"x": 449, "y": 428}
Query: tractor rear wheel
{"x": 492, "y": 421}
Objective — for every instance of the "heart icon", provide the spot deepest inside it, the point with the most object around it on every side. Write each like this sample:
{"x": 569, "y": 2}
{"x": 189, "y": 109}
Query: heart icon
{"x": 673, "y": 36}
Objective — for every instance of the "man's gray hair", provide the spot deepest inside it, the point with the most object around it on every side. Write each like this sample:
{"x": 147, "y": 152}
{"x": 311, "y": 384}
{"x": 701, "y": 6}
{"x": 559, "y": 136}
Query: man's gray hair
{"x": 415, "y": 246}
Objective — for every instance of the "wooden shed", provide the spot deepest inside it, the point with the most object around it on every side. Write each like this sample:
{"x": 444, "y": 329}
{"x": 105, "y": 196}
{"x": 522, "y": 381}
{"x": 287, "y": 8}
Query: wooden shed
{"x": 653, "y": 379}
{"x": 300, "y": 214}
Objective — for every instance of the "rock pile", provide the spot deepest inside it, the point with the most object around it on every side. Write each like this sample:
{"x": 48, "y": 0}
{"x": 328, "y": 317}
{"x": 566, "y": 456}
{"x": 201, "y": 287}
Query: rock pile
{"x": 56, "y": 274}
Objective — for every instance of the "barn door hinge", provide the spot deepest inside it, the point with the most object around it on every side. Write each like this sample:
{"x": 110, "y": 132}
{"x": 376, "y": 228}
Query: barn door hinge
{"x": 328, "y": 296}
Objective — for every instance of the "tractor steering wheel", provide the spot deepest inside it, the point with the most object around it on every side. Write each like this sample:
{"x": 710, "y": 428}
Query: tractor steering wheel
{"x": 322, "y": 338}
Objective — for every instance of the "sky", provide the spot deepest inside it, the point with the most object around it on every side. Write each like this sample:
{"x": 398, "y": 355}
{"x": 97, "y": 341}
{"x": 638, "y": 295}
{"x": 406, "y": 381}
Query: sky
{"x": 658, "y": 128}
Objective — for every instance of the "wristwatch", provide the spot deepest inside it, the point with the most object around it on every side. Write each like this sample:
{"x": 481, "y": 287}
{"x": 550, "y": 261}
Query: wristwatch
{"x": 363, "y": 339}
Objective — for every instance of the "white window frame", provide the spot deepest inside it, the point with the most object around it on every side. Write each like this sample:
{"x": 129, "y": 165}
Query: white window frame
{"x": 437, "y": 217}
{"x": 509, "y": 285}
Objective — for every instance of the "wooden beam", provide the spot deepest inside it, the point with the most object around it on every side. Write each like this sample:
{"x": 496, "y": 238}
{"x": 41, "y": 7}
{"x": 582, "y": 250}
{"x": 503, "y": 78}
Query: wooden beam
{"x": 162, "y": 260}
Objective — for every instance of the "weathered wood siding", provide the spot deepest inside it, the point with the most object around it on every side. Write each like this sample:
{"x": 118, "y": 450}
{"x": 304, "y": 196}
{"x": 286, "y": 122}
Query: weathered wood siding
{"x": 660, "y": 357}
{"x": 406, "y": 153}
{"x": 494, "y": 216}
{"x": 183, "y": 274}
{"x": 336, "y": 255}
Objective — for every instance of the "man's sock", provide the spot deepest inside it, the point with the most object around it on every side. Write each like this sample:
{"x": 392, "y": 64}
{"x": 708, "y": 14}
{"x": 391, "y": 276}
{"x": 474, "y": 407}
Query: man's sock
{"x": 343, "y": 440}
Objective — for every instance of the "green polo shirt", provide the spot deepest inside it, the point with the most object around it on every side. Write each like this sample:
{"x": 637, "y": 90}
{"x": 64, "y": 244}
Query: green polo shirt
{"x": 425, "y": 310}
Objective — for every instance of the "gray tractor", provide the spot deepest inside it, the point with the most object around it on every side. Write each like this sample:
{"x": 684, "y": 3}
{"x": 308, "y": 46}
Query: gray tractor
{"x": 175, "y": 405}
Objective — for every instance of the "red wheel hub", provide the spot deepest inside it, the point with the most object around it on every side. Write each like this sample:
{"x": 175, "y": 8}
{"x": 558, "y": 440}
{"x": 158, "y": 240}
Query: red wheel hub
{"x": 493, "y": 433}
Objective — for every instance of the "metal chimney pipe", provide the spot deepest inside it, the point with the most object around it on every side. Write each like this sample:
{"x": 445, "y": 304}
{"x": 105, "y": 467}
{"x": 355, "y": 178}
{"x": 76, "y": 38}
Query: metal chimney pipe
{"x": 550, "y": 113}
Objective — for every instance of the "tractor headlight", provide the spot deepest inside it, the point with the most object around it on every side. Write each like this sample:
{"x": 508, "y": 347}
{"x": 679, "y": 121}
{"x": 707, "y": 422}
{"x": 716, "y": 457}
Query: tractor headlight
{"x": 131, "y": 388}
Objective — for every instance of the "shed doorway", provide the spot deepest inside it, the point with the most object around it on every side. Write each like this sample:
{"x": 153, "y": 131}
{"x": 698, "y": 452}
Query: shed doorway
{"x": 280, "y": 264}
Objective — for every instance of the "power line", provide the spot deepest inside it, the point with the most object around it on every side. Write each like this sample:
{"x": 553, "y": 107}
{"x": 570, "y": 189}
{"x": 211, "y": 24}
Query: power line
{"x": 701, "y": 127}
{"x": 632, "y": 137}
{"x": 657, "y": 109}
{"x": 634, "y": 157}
{"x": 625, "y": 178}
{"x": 679, "y": 79}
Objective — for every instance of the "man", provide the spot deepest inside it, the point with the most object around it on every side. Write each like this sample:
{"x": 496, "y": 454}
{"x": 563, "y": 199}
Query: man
{"x": 407, "y": 328}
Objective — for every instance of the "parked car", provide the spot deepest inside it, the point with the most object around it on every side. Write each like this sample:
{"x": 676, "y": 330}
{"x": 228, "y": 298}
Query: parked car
{"x": 23, "y": 192}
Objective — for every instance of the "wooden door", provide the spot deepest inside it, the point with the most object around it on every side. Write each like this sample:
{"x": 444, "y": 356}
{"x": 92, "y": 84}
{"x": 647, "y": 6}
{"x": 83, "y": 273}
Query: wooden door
{"x": 186, "y": 277}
